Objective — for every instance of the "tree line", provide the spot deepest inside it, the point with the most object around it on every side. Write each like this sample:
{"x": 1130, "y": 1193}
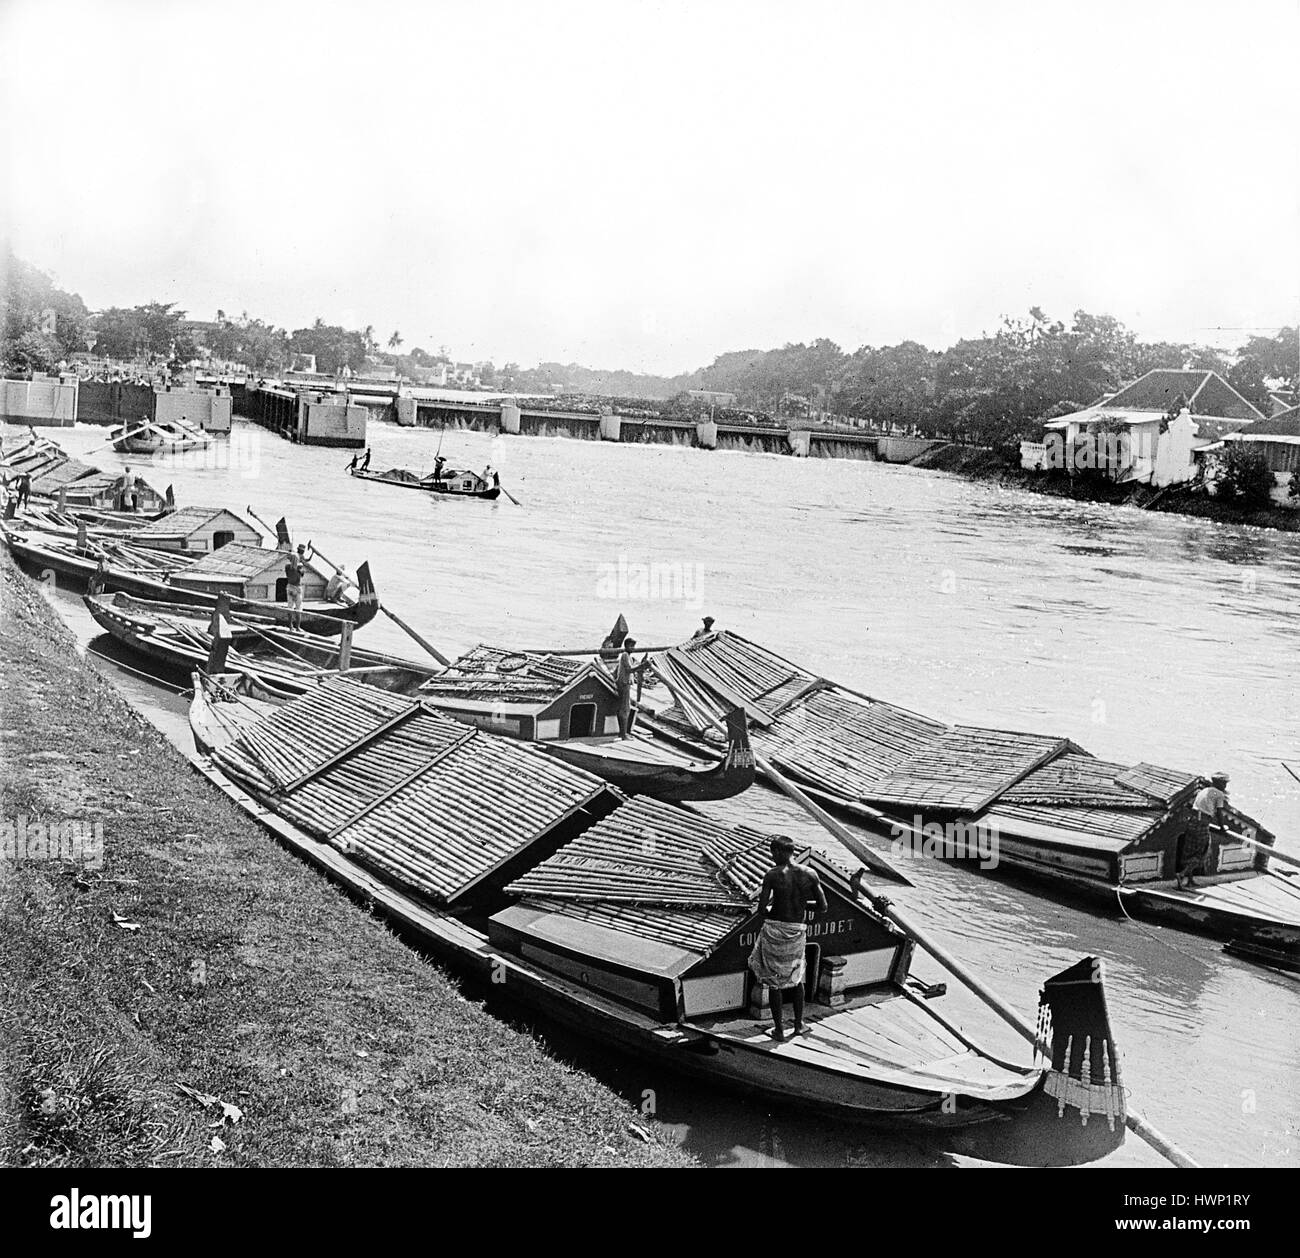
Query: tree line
{"x": 984, "y": 389}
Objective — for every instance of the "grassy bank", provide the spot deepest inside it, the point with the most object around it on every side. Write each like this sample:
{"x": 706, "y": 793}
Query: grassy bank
{"x": 982, "y": 463}
{"x": 203, "y": 955}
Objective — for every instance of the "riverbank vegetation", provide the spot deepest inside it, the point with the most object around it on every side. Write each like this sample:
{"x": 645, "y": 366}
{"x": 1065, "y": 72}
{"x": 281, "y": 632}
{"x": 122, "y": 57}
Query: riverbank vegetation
{"x": 203, "y": 998}
{"x": 1001, "y": 465}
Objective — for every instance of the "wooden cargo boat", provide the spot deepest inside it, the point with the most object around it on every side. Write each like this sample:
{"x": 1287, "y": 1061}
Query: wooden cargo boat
{"x": 251, "y": 577}
{"x": 1037, "y": 805}
{"x": 455, "y": 484}
{"x": 632, "y": 920}
{"x": 277, "y": 663}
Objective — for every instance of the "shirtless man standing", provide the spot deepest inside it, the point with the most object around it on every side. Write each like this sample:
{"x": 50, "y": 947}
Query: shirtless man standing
{"x": 778, "y": 956}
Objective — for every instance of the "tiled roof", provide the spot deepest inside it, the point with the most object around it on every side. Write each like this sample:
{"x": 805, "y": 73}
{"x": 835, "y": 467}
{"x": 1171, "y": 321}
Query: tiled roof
{"x": 1204, "y": 392}
{"x": 1286, "y": 424}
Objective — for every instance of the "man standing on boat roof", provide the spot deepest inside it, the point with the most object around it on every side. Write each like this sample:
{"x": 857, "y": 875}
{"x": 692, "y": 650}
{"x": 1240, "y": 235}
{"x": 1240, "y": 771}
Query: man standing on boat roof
{"x": 624, "y": 672}
{"x": 293, "y": 572}
{"x": 365, "y": 463}
{"x": 778, "y": 958}
{"x": 1208, "y": 808}
{"x": 705, "y": 631}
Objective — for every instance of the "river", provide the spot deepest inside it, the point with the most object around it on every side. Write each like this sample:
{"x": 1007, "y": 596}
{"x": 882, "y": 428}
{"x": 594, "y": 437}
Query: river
{"x": 1141, "y": 636}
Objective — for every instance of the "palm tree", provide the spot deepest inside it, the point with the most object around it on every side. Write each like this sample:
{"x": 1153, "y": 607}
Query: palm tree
{"x": 395, "y": 341}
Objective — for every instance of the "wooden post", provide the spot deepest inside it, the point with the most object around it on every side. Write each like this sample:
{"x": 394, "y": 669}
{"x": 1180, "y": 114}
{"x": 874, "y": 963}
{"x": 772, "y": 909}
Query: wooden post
{"x": 345, "y": 647}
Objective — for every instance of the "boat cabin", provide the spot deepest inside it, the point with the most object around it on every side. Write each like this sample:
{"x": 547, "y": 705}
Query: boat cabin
{"x": 656, "y": 906}
{"x": 198, "y": 530}
{"x": 250, "y": 572}
{"x": 1099, "y": 820}
{"x": 538, "y": 697}
{"x": 100, "y": 491}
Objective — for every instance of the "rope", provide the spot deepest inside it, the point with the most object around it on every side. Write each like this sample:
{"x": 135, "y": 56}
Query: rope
{"x": 151, "y": 677}
{"x": 1119, "y": 899}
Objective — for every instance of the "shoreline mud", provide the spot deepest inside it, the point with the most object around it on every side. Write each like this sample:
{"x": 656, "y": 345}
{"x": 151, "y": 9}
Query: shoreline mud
{"x": 200, "y": 997}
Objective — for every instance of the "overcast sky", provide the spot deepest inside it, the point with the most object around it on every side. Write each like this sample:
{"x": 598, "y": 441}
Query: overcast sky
{"x": 648, "y": 185}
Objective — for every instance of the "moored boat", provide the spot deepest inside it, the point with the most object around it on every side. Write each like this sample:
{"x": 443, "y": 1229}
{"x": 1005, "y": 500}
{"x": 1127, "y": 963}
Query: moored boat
{"x": 1036, "y": 805}
{"x": 277, "y": 663}
{"x": 251, "y": 577}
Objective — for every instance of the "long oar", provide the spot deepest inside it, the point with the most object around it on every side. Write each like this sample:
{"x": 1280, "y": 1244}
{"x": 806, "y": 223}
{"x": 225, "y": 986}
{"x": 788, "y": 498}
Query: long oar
{"x": 266, "y": 528}
{"x": 134, "y": 432}
{"x": 509, "y": 495}
{"x": 396, "y": 619}
{"x": 1263, "y": 847}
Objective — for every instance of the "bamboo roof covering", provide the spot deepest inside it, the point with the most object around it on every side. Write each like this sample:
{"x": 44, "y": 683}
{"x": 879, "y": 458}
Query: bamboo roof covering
{"x": 493, "y": 673}
{"x": 655, "y": 871}
{"x": 1109, "y": 827}
{"x": 51, "y": 479}
{"x": 965, "y": 769}
{"x": 429, "y": 802}
{"x": 1162, "y": 784}
{"x": 238, "y": 560}
{"x": 1075, "y": 780}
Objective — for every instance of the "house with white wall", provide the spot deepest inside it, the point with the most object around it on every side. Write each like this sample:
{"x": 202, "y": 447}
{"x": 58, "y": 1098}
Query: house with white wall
{"x": 1146, "y": 434}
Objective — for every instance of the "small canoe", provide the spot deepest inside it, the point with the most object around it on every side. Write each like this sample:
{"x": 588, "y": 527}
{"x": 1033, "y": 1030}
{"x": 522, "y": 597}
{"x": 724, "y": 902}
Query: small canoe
{"x": 462, "y": 484}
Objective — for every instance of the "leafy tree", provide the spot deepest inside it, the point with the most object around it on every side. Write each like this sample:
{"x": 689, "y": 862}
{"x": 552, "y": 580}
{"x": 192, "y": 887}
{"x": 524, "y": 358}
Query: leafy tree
{"x": 1245, "y": 480}
{"x": 30, "y": 302}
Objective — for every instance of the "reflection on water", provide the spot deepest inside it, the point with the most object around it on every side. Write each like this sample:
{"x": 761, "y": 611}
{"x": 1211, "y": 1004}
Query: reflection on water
{"x": 1138, "y": 635}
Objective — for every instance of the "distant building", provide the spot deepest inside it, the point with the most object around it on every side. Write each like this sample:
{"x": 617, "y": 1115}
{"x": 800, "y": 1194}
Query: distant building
{"x": 1276, "y": 438}
{"x": 1148, "y": 433}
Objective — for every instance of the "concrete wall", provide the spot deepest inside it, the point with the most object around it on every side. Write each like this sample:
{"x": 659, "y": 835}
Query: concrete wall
{"x": 902, "y": 449}
{"x": 199, "y": 408}
{"x": 112, "y": 402}
{"x": 331, "y": 423}
{"x": 43, "y": 402}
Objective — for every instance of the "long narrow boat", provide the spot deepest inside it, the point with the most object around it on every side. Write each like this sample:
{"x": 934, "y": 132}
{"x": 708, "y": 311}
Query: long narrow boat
{"x": 999, "y": 800}
{"x": 632, "y": 920}
{"x": 454, "y": 484}
{"x": 277, "y": 663}
{"x": 168, "y": 579}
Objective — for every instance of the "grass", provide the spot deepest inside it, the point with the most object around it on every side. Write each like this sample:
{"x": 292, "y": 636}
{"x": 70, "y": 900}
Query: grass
{"x": 249, "y": 978}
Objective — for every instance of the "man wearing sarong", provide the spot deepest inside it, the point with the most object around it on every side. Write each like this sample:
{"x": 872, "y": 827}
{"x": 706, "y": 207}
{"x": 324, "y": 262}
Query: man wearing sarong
{"x": 624, "y": 672}
{"x": 778, "y": 956}
{"x": 1208, "y": 808}
{"x": 294, "y": 571}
